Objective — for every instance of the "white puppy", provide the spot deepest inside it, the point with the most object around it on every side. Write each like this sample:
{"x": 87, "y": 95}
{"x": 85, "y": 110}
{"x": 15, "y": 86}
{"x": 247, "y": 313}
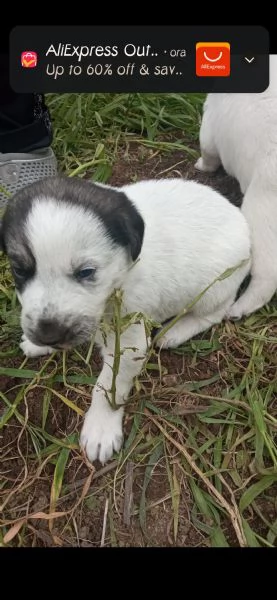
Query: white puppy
{"x": 71, "y": 243}
{"x": 240, "y": 131}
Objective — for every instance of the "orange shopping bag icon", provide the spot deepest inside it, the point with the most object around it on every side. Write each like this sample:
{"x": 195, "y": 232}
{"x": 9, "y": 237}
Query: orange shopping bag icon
{"x": 213, "y": 59}
{"x": 29, "y": 59}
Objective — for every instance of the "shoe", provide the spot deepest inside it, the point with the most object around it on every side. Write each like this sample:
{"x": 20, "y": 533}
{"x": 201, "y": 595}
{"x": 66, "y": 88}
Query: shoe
{"x": 19, "y": 170}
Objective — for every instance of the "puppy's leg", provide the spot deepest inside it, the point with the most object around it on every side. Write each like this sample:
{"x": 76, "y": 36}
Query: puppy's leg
{"x": 31, "y": 350}
{"x": 260, "y": 210}
{"x": 102, "y": 432}
{"x": 209, "y": 160}
{"x": 189, "y": 326}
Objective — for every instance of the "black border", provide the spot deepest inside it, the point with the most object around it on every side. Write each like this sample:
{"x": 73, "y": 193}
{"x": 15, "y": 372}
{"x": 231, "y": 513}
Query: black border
{"x": 6, "y": 28}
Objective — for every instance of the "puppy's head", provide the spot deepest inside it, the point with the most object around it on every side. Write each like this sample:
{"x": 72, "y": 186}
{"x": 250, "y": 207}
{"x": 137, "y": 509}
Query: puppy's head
{"x": 70, "y": 243}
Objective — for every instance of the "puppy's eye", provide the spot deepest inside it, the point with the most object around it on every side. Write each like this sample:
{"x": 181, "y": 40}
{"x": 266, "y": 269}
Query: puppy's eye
{"x": 84, "y": 274}
{"x": 20, "y": 272}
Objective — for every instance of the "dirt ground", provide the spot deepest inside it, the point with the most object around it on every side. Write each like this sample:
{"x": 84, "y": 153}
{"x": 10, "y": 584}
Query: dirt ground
{"x": 84, "y": 526}
{"x": 142, "y": 163}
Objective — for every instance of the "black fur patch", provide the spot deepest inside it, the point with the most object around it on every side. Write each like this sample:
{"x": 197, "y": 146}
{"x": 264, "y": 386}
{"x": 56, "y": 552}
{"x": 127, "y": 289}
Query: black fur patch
{"x": 120, "y": 217}
{"x": 23, "y": 270}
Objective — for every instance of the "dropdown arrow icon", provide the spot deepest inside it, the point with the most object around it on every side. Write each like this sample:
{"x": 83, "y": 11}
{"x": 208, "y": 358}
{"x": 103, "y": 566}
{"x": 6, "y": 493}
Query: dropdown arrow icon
{"x": 249, "y": 60}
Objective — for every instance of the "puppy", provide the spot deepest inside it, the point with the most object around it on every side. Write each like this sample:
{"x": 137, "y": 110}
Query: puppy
{"x": 239, "y": 131}
{"x": 71, "y": 243}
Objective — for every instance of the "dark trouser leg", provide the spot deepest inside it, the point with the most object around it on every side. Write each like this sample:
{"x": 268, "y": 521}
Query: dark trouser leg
{"x": 25, "y": 138}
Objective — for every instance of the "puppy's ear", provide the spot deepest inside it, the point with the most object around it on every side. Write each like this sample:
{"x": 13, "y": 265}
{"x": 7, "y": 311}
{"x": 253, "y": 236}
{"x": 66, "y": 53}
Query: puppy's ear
{"x": 120, "y": 216}
{"x": 130, "y": 228}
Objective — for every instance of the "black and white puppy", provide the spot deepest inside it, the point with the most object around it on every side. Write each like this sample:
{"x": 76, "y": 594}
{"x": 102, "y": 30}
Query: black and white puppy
{"x": 239, "y": 131}
{"x": 71, "y": 242}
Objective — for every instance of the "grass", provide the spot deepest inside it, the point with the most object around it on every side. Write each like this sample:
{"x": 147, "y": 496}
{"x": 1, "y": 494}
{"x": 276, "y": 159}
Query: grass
{"x": 99, "y": 124}
{"x": 199, "y": 462}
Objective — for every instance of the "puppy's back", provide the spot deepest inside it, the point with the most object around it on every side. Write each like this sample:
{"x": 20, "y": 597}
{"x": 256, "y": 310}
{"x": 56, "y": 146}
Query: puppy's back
{"x": 192, "y": 235}
{"x": 243, "y": 128}
{"x": 191, "y": 220}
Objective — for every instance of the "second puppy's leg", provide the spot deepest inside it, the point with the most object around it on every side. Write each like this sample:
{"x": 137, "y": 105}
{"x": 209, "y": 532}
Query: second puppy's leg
{"x": 209, "y": 160}
{"x": 260, "y": 210}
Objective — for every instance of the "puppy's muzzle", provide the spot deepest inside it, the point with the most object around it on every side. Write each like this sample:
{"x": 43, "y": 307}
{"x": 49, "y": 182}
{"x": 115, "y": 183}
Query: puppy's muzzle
{"x": 50, "y": 332}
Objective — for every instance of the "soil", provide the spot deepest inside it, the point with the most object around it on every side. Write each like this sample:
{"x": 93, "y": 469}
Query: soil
{"x": 84, "y": 525}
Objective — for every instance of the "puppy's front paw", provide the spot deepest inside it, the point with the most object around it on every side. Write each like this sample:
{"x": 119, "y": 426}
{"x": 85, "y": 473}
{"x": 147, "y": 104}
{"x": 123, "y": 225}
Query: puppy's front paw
{"x": 31, "y": 350}
{"x": 102, "y": 432}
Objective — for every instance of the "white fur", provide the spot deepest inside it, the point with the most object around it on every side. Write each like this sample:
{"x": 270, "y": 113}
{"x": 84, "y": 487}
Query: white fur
{"x": 240, "y": 131}
{"x": 31, "y": 350}
{"x": 192, "y": 235}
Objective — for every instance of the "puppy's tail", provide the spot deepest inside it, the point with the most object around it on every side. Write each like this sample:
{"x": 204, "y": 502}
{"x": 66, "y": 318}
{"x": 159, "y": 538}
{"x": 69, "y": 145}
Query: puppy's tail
{"x": 260, "y": 210}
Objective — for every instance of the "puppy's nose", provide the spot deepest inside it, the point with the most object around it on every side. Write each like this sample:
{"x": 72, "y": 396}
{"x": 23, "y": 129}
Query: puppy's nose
{"x": 50, "y": 332}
